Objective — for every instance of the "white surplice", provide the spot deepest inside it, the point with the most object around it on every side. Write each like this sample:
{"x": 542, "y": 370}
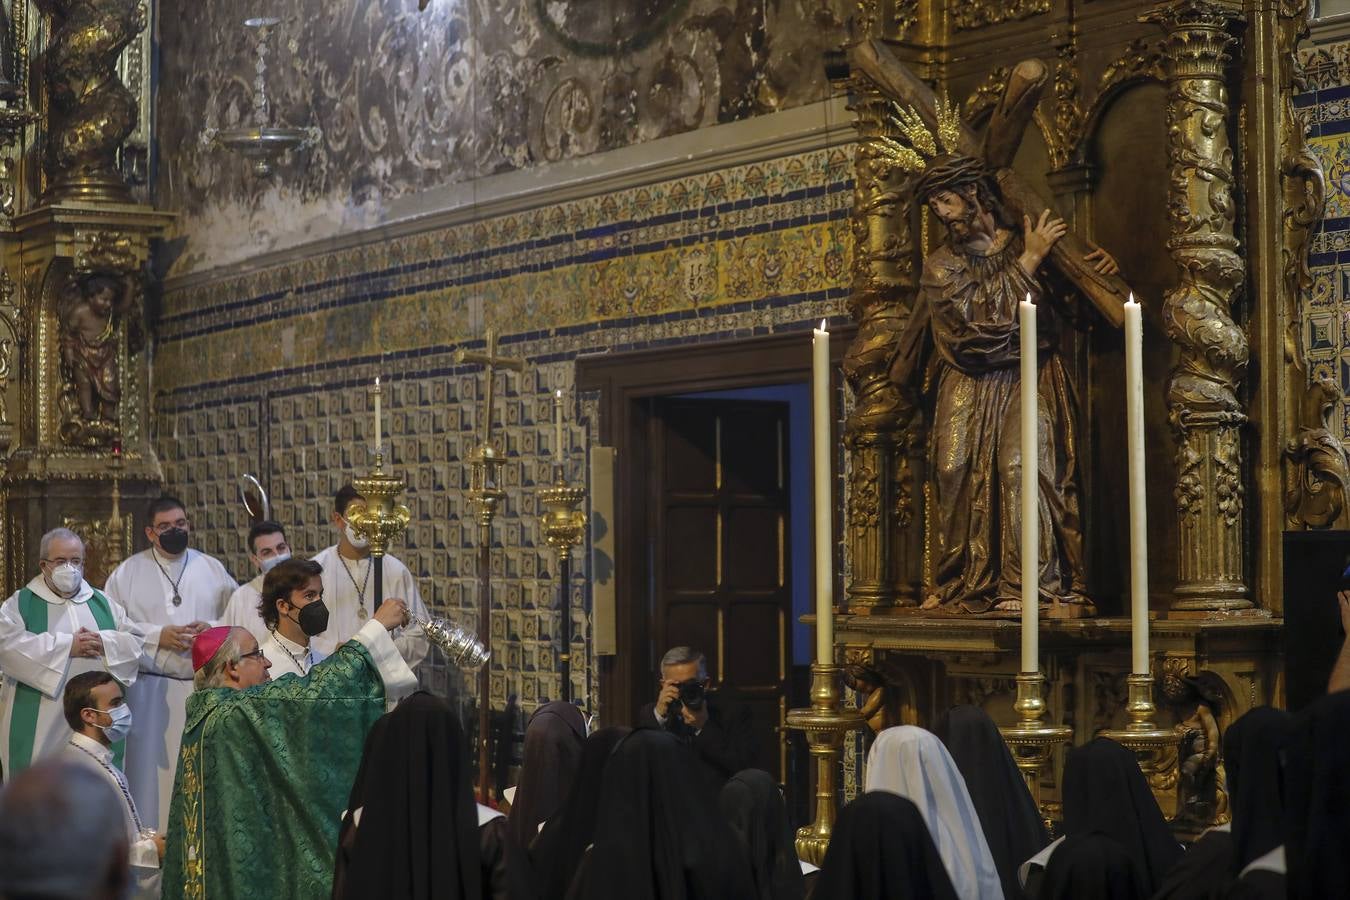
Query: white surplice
{"x": 95, "y": 757}
{"x": 158, "y": 697}
{"x": 288, "y": 657}
{"x": 242, "y": 609}
{"x": 349, "y": 590}
{"x": 43, "y": 661}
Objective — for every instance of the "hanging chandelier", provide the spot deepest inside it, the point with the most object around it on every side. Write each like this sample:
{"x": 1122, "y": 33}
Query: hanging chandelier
{"x": 263, "y": 141}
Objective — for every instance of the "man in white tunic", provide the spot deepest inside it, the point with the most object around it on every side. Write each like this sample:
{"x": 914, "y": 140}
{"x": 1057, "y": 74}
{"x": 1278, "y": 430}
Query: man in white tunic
{"x": 267, "y": 547}
{"x": 97, "y": 713}
{"x": 293, "y": 611}
{"x": 173, "y": 594}
{"x": 349, "y": 589}
{"x": 56, "y": 627}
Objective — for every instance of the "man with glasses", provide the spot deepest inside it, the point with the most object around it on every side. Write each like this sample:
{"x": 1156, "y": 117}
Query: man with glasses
{"x": 53, "y": 629}
{"x": 266, "y": 766}
{"x": 173, "y": 593}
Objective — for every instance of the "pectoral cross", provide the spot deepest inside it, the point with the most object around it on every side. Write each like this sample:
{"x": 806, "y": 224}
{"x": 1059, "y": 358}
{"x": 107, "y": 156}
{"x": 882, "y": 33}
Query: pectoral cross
{"x": 1003, "y": 136}
{"x": 491, "y": 360}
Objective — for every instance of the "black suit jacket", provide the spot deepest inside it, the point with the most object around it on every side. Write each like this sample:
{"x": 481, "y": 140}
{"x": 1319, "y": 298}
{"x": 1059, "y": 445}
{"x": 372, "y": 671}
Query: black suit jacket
{"x": 725, "y": 746}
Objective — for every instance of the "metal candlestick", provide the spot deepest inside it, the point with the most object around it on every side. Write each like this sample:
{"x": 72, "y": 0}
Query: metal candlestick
{"x": 1031, "y": 741}
{"x": 379, "y": 518}
{"x": 824, "y": 723}
{"x": 563, "y": 525}
{"x": 1156, "y": 748}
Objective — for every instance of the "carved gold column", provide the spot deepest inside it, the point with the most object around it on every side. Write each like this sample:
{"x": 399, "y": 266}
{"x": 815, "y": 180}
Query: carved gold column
{"x": 75, "y": 254}
{"x": 1204, "y": 409}
{"x": 881, "y": 435}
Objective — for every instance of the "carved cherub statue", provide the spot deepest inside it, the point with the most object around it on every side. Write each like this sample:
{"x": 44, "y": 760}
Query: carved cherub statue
{"x": 89, "y": 311}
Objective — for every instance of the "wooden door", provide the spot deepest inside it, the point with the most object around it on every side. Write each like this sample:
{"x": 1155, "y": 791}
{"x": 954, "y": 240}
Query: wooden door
{"x": 719, "y": 543}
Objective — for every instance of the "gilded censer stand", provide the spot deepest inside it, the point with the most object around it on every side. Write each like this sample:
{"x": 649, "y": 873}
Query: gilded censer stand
{"x": 824, "y": 723}
{"x": 1032, "y": 741}
{"x": 564, "y": 525}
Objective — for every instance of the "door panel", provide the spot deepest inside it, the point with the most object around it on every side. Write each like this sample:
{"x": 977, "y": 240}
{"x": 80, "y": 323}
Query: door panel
{"x": 719, "y": 525}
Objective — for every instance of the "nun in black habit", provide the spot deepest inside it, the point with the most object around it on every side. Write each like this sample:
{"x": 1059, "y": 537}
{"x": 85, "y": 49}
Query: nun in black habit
{"x": 659, "y": 834}
{"x": 880, "y": 850}
{"x": 552, "y": 753}
{"x": 413, "y": 830}
{"x": 1104, "y": 793}
{"x": 1008, "y": 816}
{"x": 1317, "y": 800}
{"x": 558, "y": 851}
{"x": 753, "y": 807}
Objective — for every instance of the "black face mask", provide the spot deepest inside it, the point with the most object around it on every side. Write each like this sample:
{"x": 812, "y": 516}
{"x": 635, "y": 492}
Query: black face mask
{"x": 174, "y": 541}
{"x": 313, "y": 619}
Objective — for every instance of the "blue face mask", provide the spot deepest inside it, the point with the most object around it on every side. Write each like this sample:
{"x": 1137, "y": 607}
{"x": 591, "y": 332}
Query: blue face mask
{"x": 121, "y": 723}
{"x": 272, "y": 562}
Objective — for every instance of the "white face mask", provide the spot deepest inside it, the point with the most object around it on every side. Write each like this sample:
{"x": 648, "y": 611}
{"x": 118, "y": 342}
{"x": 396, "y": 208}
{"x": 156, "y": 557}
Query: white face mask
{"x": 271, "y": 563}
{"x": 66, "y": 577}
{"x": 355, "y": 540}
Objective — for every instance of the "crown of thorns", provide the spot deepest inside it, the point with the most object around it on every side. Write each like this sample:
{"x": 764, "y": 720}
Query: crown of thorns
{"x": 914, "y": 146}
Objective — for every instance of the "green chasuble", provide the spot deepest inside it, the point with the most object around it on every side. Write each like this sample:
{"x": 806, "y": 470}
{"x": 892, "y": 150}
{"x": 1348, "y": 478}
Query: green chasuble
{"x": 263, "y": 777}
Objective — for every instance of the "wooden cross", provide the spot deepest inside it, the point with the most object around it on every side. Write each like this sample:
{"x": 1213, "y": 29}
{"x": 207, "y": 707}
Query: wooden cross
{"x": 1002, "y": 138}
{"x": 491, "y": 360}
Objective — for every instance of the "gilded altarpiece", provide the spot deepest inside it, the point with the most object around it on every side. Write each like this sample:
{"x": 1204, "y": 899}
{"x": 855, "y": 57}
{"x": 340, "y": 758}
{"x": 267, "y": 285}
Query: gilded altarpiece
{"x": 74, "y": 135}
{"x": 1169, "y": 135}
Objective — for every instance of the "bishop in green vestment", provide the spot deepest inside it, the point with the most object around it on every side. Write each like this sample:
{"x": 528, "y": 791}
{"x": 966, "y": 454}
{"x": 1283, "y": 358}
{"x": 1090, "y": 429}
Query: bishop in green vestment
{"x": 266, "y": 766}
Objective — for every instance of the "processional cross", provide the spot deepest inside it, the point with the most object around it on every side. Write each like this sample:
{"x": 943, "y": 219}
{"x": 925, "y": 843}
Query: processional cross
{"x": 484, "y": 495}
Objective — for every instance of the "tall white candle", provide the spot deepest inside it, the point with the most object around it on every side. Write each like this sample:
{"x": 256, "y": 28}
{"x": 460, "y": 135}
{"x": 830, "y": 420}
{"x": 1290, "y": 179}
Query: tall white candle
{"x": 557, "y": 427}
{"x": 1031, "y": 529}
{"x": 820, "y": 424}
{"x": 379, "y": 423}
{"x": 1134, "y": 414}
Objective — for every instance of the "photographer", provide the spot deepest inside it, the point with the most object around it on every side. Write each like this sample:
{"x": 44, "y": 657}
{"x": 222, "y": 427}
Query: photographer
{"x": 718, "y": 733}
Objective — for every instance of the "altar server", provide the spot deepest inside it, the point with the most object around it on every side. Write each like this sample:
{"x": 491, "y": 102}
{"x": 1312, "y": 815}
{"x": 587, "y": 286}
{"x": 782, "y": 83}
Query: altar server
{"x": 173, "y": 593}
{"x": 267, "y": 547}
{"x": 913, "y": 763}
{"x": 293, "y": 611}
{"x": 55, "y": 628}
{"x": 349, "y": 588}
{"x": 95, "y": 708}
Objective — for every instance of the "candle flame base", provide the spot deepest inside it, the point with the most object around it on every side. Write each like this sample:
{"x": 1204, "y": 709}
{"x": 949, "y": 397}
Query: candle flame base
{"x": 824, "y": 724}
{"x": 1156, "y": 748}
{"x": 562, "y": 521}
{"x": 378, "y": 516}
{"x": 1031, "y": 741}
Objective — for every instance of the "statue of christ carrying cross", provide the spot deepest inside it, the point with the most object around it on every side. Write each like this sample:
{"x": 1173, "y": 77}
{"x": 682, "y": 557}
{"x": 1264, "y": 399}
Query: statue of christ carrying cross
{"x": 960, "y": 350}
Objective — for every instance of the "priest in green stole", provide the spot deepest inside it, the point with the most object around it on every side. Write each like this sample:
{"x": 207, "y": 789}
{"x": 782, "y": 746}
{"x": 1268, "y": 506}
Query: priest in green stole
{"x": 266, "y": 766}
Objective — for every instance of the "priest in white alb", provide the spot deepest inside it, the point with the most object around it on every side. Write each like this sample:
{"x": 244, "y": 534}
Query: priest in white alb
{"x": 349, "y": 589}
{"x": 51, "y": 630}
{"x": 267, "y": 547}
{"x": 173, "y": 594}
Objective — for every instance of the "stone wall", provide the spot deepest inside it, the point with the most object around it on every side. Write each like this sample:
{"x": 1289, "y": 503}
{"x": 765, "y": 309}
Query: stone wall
{"x": 412, "y": 101}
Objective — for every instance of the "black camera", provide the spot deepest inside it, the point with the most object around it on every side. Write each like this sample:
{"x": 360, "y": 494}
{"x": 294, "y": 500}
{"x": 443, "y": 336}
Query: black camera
{"x": 692, "y": 694}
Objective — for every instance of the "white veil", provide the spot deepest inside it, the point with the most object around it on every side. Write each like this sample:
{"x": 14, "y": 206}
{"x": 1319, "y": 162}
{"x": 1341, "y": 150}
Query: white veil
{"x": 913, "y": 763}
